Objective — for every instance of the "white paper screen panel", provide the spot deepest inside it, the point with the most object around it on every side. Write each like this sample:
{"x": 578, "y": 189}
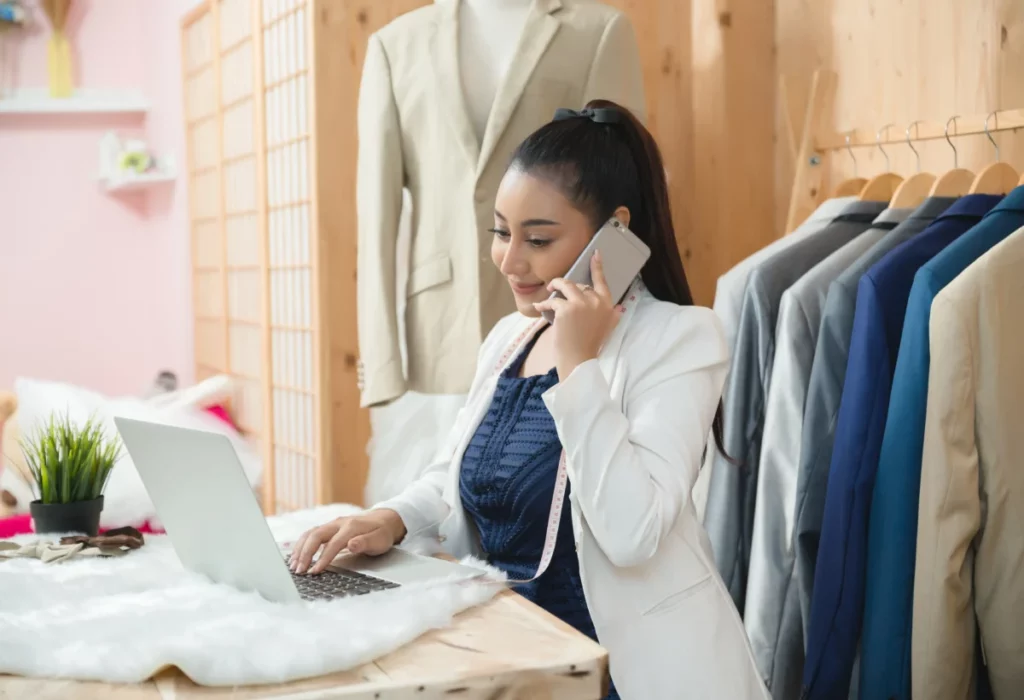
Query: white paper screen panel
{"x": 290, "y": 254}
{"x": 201, "y": 120}
{"x": 254, "y": 275}
{"x": 240, "y": 220}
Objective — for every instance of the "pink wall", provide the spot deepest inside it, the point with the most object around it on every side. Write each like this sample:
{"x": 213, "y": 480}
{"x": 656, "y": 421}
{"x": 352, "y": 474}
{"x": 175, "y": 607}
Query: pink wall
{"x": 94, "y": 287}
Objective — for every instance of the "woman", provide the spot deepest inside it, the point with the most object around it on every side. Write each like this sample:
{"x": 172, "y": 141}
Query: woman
{"x": 628, "y": 392}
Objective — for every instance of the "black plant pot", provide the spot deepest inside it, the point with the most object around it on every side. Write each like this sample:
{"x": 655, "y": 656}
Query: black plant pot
{"x": 78, "y": 516}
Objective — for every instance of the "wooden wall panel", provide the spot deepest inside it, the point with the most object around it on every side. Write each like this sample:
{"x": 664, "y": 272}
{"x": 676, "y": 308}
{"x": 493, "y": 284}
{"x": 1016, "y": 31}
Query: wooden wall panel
{"x": 709, "y": 78}
{"x": 663, "y": 32}
{"x": 341, "y": 29}
{"x": 898, "y": 62}
{"x": 733, "y": 102}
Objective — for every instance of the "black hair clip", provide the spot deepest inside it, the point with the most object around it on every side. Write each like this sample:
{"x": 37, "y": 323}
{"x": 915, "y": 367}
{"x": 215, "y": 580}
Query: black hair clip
{"x": 600, "y": 115}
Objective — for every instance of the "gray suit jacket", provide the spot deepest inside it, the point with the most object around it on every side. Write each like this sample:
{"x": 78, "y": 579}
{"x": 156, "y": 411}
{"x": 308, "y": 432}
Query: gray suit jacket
{"x": 731, "y": 285}
{"x": 729, "y": 298}
{"x": 729, "y": 518}
{"x": 824, "y": 390}
{"x": 772, "y": 609}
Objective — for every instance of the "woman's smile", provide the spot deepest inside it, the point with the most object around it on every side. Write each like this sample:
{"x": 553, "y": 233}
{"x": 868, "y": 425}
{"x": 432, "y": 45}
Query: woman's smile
{"x": 521, "y": 289}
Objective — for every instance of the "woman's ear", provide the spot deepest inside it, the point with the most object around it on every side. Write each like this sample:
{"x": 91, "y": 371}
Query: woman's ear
{"x": 622, "y": 214}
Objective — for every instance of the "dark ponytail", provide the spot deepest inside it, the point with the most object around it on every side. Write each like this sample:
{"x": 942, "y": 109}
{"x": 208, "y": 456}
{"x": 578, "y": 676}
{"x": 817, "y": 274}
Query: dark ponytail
{"x": 604, "y": 158}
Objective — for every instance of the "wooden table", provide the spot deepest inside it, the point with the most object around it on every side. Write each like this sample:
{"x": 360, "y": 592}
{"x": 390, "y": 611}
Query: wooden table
{"x": 505, "y": 649}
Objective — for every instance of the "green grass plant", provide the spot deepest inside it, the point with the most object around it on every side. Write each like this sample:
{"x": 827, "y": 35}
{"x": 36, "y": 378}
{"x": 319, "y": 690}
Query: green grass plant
{"x": 70, "y": 463}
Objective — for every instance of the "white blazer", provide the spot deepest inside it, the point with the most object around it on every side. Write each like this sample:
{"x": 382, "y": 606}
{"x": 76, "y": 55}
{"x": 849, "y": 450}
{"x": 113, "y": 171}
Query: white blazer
{"x": 633, "y": 424}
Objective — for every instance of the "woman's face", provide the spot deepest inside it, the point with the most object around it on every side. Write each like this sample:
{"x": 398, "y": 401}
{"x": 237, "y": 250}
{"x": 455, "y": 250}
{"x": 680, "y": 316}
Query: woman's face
{"x": 538, "y": 234}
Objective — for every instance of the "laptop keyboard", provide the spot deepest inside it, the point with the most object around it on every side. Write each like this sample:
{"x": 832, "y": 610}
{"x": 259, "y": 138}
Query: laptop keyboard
{"x": 338, "y": 584}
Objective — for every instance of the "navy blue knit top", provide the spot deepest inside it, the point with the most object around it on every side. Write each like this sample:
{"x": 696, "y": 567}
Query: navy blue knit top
{"x": 506, "y": 484}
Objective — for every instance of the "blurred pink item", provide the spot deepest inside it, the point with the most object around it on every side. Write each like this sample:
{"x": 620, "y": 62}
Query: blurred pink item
{"x": 221, "y": 413}
{"x": 22, "y": 525}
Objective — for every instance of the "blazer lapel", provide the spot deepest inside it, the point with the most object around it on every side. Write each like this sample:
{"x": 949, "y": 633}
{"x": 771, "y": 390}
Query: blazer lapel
{"x": 448, "y": 78}
{"x": 540, "y": 27}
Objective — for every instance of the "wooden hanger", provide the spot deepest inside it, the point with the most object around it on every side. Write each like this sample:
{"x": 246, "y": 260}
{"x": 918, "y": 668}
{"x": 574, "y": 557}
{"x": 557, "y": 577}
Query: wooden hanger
{"x": 955, "y": 182}
{"x": 882, "y": 187}
{"x": 852, "y": 186}
{"x": 915, "y": 188}
{"x": 912, "y": 191}
{"x": 998, "y": 178}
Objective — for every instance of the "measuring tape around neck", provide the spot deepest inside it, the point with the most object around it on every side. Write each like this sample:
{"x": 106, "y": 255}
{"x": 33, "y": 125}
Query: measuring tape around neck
{"x": 561, "y": 476}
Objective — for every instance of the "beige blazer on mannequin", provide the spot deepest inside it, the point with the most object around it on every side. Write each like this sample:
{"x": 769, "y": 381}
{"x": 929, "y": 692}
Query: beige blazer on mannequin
{"x": 970, "y": 547}
{"x": 414, "y": 131}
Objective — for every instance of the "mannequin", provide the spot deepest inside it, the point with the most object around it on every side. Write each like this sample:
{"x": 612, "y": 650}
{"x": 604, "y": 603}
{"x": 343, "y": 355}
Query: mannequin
{"x": 489, "y": 31}
{"x": 448, "y": 91}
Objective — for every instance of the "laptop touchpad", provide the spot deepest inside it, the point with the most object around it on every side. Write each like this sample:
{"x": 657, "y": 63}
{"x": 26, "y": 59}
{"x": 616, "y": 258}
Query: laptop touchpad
{"x": 400, "y": 566}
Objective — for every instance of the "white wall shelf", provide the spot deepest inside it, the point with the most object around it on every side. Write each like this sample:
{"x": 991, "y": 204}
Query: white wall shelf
{"x": 39, "y": 101}
{"x": 131, "y": 183}
{"x": 114, "y": 178}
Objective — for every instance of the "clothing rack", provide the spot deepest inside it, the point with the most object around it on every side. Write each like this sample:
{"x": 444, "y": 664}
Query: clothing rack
{"x": 818, "y": 141}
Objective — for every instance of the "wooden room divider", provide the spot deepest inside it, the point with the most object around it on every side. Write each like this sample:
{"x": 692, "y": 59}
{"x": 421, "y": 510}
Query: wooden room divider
{"x": 269, "y": 91}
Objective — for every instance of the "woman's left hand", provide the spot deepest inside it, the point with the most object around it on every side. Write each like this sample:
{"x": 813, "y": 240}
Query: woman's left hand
{"x": 583, "y": 319}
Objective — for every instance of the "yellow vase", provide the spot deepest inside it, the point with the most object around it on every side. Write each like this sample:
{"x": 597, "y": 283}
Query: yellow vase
{"x": 59, "y": 65}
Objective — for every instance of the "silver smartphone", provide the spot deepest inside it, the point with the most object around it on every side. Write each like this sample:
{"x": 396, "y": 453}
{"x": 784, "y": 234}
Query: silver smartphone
{"x": 622, "y": 253}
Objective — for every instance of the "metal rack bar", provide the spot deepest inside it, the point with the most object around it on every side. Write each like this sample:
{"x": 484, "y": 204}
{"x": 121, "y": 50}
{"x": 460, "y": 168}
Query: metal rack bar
{"x": 970, "y": 125}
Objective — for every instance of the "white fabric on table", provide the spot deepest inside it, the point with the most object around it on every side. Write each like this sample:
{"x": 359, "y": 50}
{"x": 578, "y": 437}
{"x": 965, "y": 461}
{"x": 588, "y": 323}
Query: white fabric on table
{"x": 125, "y": 618}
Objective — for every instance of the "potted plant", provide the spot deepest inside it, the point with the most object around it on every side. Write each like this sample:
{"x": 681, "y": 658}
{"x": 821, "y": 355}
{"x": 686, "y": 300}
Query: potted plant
{"x": 70, "y": 466}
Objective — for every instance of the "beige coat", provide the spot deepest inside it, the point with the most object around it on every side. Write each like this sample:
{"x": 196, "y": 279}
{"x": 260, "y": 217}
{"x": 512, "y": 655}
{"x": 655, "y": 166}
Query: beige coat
{"x": 414, "y": 131}
{"x": 970, "y": 546}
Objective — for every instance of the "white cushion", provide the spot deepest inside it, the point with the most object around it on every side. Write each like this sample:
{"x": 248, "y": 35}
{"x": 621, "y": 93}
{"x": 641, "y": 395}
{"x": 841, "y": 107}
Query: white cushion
{"x": 125, "y": 499}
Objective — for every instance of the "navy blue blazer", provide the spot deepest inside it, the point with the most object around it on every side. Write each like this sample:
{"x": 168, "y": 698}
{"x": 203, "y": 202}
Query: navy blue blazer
{"x": 838, "y": 593}
{"x": 825, "y": 391}
{"x": 892, "y": 532}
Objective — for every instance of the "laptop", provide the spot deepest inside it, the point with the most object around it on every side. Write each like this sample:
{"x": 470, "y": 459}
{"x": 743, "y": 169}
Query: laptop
{"x": 215, "y": 524}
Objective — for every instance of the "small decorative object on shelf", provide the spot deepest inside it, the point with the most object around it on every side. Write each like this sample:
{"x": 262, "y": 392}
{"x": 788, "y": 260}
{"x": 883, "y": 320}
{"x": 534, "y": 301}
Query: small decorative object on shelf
{"x": 130, "y": 164}
{"x": 70, "y": 465}
{"x": 58, "y": 57}
{"x": 12, "y": 12}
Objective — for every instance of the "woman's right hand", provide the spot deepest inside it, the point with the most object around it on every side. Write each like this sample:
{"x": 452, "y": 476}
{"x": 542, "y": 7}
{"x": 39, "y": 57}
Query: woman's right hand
{"x": 373, "y": 532}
